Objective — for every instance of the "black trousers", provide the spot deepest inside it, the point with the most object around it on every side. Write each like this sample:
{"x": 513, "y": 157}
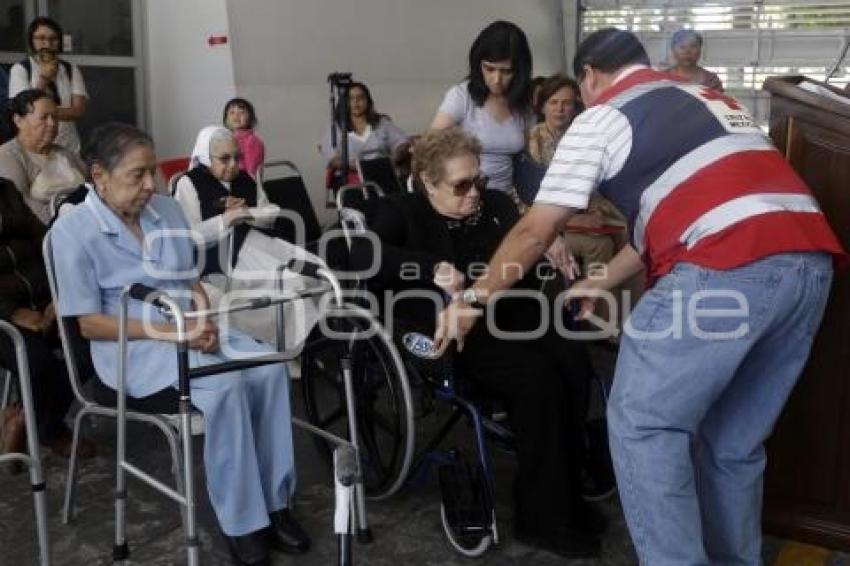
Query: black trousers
{"x": 544, "y": 383}
{"x": 51, "y": 389}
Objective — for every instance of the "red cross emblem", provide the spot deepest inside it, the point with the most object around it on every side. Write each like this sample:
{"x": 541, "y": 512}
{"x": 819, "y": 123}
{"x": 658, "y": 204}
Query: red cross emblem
{"x": 709, "y": 94}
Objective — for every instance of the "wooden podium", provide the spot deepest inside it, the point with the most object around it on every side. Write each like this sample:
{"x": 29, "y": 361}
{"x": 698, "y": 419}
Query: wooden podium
{"x": 807, "y": 482}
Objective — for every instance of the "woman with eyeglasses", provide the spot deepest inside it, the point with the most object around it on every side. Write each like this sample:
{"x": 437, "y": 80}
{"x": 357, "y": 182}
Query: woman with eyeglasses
{"x": 432, "y": 245}
{"x": 62, "y": 80}
{"x": 40, "y": 169}
{"x": 493, "y": 103}
{"x": 222, "y": 201}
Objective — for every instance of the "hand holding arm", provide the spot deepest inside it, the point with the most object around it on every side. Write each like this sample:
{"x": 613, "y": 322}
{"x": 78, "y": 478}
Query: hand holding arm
{"x": 623, "y": 266}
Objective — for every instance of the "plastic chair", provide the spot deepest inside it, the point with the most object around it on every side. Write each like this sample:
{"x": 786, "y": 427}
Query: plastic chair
{"x": 171, "y": 166}
{"x": 363, "y": 198}
{"x": 378, "y": 169}
{"x": 155, "y": 410}
{"x": 172, "y": 181}
{"x": 72, "y": 198}
{"x": 299, "y": 223}
{"x": 33, "y": 459}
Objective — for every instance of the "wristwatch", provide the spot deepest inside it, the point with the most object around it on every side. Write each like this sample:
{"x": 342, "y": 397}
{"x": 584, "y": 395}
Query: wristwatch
{"x": 469, "y": 297}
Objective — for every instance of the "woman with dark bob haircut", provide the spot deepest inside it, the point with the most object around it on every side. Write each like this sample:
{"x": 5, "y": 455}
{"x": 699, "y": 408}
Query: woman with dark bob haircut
{"x": 493, "y": 102}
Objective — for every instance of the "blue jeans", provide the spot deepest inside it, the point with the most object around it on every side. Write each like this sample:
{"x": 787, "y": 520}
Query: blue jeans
{"x": 706, "y": 364}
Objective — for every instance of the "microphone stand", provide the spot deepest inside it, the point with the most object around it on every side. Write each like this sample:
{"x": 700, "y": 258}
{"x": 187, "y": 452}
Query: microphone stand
{"x": 340, "y": 86}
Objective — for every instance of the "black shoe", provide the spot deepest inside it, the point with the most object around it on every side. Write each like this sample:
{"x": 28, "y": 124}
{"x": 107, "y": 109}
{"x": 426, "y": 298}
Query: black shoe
{"x": 566, "y": 542}
{"x": 249, "y": 550}
{"x": 598, "y": 481}
{"x": 285, "y": 535}
{"x": 593, "y": 520}
{"x": 598, "y": 487}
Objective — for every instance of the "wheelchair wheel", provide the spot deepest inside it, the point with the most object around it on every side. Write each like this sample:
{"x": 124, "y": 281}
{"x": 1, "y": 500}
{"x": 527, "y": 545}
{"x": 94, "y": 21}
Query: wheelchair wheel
{"x": 382, "y": 404}
{"x": 468, "y": 545}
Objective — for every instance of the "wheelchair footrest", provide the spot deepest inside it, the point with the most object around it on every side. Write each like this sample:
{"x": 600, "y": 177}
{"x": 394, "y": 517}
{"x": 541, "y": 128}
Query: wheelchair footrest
{"x": 465, "y": 497}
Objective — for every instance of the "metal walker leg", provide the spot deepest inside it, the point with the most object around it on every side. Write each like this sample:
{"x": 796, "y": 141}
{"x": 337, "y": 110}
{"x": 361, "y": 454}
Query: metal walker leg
{"x": 364, "y": 534}
{"x": 33, "y": 460}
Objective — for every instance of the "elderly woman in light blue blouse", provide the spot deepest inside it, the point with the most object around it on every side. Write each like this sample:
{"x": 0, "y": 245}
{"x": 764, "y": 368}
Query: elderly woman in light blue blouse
{"x": 125, "y": 233}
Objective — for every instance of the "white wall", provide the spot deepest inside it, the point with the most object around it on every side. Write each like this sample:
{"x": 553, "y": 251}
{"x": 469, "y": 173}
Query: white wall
{"x": 188, "y": 80}
{"x": 407, "y": 51}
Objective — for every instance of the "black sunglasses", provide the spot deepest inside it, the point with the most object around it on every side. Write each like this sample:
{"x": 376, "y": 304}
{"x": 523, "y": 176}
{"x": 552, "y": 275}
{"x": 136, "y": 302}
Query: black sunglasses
{"x": 462, "y": 187}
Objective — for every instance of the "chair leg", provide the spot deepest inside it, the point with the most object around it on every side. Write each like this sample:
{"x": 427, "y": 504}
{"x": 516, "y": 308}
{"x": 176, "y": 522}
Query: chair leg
{"x": 40, "y": 505}
{"x": 37, "y": 481}
{"x": 71, "y": 479}
{"x": 7, "y": 385}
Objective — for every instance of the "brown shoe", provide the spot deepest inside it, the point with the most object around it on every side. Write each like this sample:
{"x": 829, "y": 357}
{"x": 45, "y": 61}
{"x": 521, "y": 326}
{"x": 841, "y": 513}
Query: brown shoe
{"x": 61, "y": 446}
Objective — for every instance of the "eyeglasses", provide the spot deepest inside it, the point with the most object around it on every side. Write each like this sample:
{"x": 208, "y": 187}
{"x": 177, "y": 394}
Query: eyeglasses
{"x": 50, "y": 38}
{"x": 462, "y": 187}
{"x": 228, "y": 157}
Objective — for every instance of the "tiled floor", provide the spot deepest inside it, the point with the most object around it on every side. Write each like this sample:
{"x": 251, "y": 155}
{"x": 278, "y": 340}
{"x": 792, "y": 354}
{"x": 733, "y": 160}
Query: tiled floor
{"x": 406, "y": 526}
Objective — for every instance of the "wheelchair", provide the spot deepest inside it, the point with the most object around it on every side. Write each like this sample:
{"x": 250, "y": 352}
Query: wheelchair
{"x": 467, "y": 486}
{"x": 381, "y": 404}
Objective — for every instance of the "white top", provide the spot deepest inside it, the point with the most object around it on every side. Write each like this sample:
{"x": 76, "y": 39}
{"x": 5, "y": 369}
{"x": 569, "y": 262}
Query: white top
{"x": 500, "y": 141}
{"x": 383, "y": 139}
{"x": 67, "y": 87}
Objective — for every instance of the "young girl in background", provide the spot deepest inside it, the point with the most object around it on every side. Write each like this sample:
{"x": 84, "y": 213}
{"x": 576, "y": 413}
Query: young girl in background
{"x": 240, "y": 118}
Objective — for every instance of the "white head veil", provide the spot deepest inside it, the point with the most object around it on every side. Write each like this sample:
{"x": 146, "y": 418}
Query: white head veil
{"x": 201, "y": 152}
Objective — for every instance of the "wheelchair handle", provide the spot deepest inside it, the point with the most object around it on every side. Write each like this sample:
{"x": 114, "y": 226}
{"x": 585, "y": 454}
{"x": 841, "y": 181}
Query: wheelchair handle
{"x": 304, "y": 267}
{"x": 316, "y": 271}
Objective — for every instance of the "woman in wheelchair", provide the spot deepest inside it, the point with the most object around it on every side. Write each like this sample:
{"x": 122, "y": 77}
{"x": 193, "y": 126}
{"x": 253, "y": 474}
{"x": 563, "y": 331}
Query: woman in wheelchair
{"x": 432, "y": 241}
{"x": 124, "y": 233}
{"x": 221, "y": 200}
